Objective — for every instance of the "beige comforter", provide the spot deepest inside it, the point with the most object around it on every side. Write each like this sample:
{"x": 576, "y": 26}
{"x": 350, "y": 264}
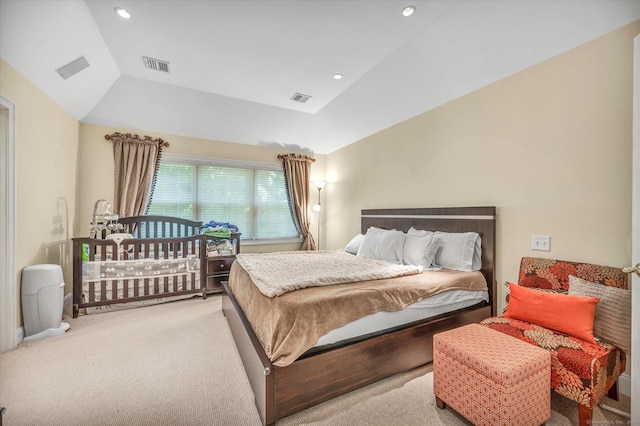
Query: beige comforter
{"x": 279, "y": 272}
{"x": 290, "y": 324}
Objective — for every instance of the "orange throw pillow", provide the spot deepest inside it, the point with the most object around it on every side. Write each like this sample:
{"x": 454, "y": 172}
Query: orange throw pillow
{"x": 567, "y": 314}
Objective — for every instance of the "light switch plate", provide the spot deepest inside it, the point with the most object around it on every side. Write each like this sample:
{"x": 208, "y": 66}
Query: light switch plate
{"x": 541, "y": 242}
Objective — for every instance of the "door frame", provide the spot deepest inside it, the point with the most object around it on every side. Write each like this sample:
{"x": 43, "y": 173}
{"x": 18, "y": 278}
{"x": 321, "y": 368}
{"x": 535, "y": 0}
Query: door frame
{"x": 8, "y": 285}
{"x": 635, "y": 237}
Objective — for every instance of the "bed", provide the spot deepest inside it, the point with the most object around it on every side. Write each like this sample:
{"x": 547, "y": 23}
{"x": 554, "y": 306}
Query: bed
{"x": 150, "y": 259}
{"x": 340, "y": 366}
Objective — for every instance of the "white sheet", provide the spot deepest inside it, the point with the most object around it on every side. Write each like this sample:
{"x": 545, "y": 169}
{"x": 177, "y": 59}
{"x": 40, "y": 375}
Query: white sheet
{"x": 432, "y": 306}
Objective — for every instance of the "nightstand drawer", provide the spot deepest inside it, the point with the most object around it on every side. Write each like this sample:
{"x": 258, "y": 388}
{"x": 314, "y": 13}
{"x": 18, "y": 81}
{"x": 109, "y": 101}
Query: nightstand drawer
{"x": 218, "y": 266}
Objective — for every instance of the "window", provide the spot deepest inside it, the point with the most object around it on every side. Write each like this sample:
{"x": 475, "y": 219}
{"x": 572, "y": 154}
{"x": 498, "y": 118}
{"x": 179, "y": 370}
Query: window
{"x": 251, "y": 196}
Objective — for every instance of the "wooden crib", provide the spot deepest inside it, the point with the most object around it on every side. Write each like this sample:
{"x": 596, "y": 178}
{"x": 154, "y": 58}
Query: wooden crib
{"x": 163, "y": 258}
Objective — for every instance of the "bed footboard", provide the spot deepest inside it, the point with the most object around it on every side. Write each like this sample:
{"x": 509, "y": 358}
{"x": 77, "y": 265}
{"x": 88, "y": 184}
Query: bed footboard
{"x": 282, "y": 391}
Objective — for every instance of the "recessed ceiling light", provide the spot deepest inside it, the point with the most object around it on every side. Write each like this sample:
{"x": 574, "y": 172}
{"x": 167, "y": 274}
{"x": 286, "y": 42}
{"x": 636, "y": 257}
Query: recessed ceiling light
{"x": 338, "y": 76}
{"x": 123, "y": 13}
{"x": 408, "y": 11}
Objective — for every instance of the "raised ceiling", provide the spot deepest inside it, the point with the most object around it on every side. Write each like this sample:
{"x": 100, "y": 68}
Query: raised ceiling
{"x": 234, "y": 65}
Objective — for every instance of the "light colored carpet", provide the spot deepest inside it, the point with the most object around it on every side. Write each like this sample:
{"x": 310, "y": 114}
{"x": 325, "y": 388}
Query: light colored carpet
{"x": 176, "y": 364}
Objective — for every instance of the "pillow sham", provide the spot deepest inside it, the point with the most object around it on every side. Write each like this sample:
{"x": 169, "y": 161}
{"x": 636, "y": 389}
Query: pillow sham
{"x": 383, "y": 244}
{"x": 355, "y": 243}
{"x": 420, "y": 250}
{"x": 572, "y": 315}
{"x": 613, "y": 314}
{"x": 460, "y": 251}
{"x": 418, "y": 232}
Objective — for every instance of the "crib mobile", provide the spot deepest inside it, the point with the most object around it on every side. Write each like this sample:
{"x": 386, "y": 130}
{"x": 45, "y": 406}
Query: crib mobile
{"x": 105, "y": 220}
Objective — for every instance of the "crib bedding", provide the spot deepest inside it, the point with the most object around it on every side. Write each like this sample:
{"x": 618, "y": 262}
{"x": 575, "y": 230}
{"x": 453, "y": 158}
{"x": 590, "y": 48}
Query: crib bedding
{"x": 138, "y": 268}
{"x": 292, "y": 323}
{"x": 113, "y": 280}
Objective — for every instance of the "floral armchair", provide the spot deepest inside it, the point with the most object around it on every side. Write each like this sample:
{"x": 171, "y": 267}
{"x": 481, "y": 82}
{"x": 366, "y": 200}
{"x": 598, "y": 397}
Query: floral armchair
{"x": 581, "y": 370}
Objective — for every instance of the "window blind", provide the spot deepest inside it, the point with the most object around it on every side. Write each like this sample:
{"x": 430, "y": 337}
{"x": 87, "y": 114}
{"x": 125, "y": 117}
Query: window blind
{"x": 252, "y": 198}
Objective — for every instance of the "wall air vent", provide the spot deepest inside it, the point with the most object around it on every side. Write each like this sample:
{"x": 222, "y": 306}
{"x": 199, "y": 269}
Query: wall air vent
{"x": 73, "y": 67}
{"x": 156, "y": 64}
{"x": 299, "y": 97}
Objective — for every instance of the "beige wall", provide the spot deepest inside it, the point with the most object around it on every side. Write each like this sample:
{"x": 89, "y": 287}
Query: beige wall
{"x": 549, "y": 146}
{"x": 96, "y": 168}
{"x": 46, "y": 140}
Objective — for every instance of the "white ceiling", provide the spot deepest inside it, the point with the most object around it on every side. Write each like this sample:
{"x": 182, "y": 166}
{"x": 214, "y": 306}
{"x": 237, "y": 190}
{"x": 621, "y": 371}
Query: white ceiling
{"x": 234, "y": 65}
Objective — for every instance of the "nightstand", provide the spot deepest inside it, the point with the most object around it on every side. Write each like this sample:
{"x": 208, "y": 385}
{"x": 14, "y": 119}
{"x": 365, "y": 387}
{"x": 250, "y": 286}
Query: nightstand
{"x": 221, "y": 252}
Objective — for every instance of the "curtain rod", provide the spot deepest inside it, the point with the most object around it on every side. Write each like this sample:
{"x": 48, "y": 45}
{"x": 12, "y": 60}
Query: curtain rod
{"x": 136, "y": 137}
{"x": 296, "y": 157}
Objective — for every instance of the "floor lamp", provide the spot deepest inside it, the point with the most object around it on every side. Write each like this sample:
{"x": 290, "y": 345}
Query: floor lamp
{"x": 319, "y": 184}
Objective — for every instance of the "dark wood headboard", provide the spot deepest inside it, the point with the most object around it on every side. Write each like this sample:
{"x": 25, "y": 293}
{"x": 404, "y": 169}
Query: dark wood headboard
{"x": 159, "y": 226}
{"x": 448, "y": 219}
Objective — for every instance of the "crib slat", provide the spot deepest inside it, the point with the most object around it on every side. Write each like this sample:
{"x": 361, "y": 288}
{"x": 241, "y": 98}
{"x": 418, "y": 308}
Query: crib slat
{"x": 136, "y": 287}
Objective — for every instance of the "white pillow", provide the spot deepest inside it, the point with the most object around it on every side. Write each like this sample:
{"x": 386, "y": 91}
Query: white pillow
{"x": 418, "y": 232}
{"x": 460, "y": 251}
{"x": 420, "y": 250}
{"x": 383, "y": 244}
{"x": 355, "y": 243}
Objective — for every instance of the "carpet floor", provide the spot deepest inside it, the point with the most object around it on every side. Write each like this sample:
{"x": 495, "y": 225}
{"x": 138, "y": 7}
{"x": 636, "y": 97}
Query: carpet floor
{"x": 176, "y": 364}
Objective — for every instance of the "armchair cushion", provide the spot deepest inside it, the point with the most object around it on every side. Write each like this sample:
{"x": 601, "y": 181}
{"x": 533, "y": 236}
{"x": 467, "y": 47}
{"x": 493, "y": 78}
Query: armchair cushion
{"x": 581, "y": 371}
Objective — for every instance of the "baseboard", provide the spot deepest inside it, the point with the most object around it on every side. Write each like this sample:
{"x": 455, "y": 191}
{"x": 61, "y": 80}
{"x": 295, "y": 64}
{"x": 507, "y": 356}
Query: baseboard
{"x": 68, "y": 300}
{"x": 624, "y": 384}
{"x": 19, "y": 335}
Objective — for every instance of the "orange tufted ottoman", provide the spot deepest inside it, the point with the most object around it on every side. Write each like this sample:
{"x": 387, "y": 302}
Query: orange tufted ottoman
{"x": 491, "y": 378}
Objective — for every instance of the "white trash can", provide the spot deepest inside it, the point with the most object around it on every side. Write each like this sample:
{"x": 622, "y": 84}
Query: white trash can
{"x": 42, "y": 301}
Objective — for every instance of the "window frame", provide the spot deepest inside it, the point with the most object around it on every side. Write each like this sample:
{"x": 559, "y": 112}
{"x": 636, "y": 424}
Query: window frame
{"x": 220, "y": 162}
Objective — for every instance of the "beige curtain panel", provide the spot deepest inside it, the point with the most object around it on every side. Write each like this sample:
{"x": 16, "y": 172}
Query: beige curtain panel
{"x": 136, "y": 162}
{"x": 297, "y": 173}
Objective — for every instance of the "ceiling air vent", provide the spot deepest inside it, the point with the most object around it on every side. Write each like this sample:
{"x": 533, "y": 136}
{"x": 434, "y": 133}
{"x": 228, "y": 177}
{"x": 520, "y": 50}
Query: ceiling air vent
{"x": 73, "y": 67}
{"x": 156, "y": 64}
{"x": 299, "y": 97}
